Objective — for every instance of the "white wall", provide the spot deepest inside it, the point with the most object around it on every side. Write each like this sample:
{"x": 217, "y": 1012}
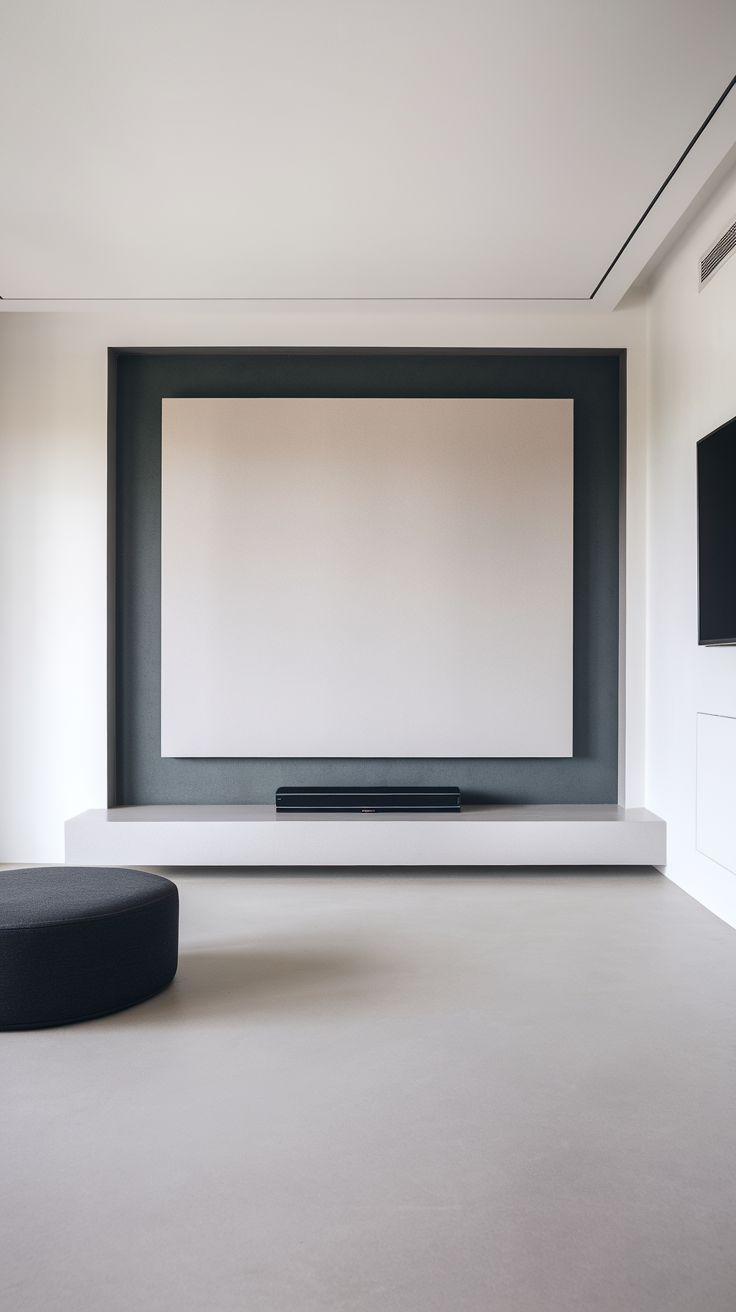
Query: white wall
{"x": 53, "y": 383}
{"x": 693, "y": 390}
{"x": 283, "y": 520}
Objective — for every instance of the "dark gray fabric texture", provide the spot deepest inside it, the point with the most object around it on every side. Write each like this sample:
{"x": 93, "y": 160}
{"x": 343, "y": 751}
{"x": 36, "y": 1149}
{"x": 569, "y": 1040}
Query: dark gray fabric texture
{"x": 63, "y": 893}
{"x": 138, "y": 381}
{"x": 76, "y": 943}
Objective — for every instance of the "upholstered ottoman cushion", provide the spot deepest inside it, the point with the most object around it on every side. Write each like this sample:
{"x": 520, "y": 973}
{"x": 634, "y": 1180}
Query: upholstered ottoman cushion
{"x": 82, "y": 942}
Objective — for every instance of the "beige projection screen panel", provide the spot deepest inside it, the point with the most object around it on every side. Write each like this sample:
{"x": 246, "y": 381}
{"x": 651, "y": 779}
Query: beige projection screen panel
{"x": 367, "y": 577}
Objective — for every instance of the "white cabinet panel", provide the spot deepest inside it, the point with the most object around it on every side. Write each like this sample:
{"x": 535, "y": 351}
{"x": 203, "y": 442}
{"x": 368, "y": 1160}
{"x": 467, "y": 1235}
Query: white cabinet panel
{"x": 259, "y": 836}
{"x": 716, "y": 789}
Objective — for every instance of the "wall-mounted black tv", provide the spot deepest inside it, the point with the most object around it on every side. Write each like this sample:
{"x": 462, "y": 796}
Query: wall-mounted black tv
{"x": 717, "y": 537}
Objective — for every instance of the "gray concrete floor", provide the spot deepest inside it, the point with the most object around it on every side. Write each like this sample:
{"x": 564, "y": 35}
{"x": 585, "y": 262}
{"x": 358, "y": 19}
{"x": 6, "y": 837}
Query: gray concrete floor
{"x": 398, "y": 1094}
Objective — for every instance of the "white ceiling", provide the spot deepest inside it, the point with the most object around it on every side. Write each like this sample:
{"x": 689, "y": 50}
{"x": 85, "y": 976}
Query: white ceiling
{"x": 321, "y": 148}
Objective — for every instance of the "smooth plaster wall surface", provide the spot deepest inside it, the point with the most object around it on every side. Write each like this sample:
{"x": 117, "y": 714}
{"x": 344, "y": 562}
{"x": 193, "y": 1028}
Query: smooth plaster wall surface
{"x": 693, "y": 391}
{"x": 53, "y": 443}
{"x": 367, "y": 577}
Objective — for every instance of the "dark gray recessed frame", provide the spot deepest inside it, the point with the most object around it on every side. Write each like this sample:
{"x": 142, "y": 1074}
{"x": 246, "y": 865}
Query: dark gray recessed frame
{"x": 139, "y": 378}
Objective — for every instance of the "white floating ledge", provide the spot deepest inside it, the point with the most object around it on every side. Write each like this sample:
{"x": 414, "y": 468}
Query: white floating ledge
{"x": 257, "y": 836}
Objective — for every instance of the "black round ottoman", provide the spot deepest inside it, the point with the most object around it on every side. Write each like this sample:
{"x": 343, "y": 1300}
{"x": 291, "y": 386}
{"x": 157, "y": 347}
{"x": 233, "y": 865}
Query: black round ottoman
{"x": 78, "y": 942}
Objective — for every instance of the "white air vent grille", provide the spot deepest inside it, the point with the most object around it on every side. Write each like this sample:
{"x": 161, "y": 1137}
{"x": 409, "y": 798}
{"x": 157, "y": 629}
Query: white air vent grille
{"x": 720, "y": 252}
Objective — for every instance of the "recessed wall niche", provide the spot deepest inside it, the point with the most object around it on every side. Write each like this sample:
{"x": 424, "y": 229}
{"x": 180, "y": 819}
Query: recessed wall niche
{"x": 139, "y": 382}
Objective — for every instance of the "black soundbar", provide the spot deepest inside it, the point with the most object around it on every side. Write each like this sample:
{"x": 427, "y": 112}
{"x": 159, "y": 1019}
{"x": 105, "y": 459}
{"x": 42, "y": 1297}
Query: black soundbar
{"x": 367, "y": 800}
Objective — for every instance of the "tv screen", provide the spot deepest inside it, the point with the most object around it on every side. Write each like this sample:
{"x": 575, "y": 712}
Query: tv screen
{"x": 717, "y": 537}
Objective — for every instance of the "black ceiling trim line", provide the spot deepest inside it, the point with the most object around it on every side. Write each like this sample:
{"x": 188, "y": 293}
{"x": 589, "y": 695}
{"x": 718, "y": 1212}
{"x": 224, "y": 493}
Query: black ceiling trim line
{"x": 306, "y": 300}
{"x": 666, "y": 183}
